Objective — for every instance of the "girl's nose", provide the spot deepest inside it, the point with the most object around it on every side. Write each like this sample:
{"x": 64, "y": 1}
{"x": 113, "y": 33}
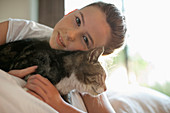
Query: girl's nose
{"x": 72, "y": 35}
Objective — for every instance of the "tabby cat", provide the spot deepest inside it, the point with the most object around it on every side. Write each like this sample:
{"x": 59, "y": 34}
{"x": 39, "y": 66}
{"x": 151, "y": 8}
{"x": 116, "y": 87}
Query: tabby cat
{"x": 67, "y": 70}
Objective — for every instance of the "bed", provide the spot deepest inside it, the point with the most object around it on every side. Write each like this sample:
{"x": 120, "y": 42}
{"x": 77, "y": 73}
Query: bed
{"x": 135, "y": 99}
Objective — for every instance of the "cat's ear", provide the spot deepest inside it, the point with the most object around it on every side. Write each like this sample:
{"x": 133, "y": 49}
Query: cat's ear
{"x": 95, "y": 53}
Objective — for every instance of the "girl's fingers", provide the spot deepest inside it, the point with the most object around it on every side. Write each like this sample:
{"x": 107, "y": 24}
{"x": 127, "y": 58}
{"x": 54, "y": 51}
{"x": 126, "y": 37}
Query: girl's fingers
{"x": 23, "y": 72}
{"x": 50, "y": 89}
{"x": 28, "y": 70}
{"x": 37, "y": 87}
{"x": 34, "y": 94}
{"x": 45, "y": 81}
{"x": 43, "y": 87}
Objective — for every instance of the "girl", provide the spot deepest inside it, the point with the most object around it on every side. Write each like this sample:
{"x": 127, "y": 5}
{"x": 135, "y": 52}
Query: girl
{"x": 98, "y": 24}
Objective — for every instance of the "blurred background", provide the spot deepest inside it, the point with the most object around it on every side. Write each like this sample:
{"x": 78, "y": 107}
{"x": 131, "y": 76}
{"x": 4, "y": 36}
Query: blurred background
{"x": 145, "y": 59}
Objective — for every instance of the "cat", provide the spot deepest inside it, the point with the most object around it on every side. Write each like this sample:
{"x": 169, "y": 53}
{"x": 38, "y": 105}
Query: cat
{"x": 66, "y": 70}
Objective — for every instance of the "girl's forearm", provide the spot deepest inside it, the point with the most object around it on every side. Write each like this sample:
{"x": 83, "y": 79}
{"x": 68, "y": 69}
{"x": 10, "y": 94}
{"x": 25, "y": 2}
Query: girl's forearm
{"x": 98, "y": 104}
{"x": 64, "y": 107}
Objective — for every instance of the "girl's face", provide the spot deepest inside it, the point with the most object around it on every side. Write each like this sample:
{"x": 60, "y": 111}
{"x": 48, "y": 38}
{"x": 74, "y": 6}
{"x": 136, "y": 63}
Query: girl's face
{"x": 81, "y": 30}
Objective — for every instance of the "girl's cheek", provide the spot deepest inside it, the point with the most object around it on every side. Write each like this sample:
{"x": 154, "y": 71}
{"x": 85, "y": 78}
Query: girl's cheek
{"x": 76, "y": 47}
{"x": 70, "y": 47}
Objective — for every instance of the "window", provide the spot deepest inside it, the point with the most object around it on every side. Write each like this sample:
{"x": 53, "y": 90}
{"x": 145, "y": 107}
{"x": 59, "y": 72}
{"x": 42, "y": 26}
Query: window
{"x": 148, "y": 43}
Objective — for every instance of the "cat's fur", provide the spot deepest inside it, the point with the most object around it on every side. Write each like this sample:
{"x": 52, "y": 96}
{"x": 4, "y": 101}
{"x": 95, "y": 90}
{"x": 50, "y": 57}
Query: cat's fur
{"x": 67, "y": 70}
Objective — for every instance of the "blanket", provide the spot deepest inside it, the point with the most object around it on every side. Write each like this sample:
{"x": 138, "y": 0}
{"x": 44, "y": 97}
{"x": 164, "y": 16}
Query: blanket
{"x": 14, "y": 99}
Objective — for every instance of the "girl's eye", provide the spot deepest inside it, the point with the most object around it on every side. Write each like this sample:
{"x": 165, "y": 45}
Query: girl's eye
{"x": 86, "y": 40}
{"x": 78, "y": 21}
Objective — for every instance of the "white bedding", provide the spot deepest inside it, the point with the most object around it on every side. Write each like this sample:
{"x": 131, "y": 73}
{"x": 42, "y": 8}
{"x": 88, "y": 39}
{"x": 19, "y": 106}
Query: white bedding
{"x": 135, "y": 99}
{"x": 14, "y": 99}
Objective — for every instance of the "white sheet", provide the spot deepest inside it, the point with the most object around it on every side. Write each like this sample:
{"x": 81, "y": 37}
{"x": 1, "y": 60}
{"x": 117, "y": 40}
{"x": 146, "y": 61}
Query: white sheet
{"x": 136, "y": 99}
{"x": 14, "y": 99}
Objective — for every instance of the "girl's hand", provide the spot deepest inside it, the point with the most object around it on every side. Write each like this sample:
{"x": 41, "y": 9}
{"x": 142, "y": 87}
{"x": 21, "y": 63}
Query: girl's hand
{"x": 43, "y": 89}
{"x": 23, "y": 72}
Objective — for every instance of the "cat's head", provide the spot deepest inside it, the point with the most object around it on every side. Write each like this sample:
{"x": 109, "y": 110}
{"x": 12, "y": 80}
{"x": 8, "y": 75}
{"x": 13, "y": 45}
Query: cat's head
{"x": 87, "y": 73}
{"x": 91, "y": 75}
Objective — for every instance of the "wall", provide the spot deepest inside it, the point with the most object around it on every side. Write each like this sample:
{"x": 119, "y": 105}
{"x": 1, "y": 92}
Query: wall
{"x": 23, "y": 9}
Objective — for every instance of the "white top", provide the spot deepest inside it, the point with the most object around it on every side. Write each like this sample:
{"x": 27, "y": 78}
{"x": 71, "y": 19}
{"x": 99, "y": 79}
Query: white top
{"x": 20, "y": 29}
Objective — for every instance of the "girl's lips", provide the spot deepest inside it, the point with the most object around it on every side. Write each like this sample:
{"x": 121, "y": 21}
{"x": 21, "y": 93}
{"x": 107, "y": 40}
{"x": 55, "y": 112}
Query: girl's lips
{"x": 60, "y": 40}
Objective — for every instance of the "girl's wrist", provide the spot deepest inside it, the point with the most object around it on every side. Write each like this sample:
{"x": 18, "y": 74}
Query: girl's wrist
{"x": 64, "y": 107}
{"x": 59, "y": 104}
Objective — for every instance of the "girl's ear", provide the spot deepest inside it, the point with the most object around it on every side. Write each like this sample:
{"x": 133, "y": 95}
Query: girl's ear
{"x": 70, "y": 12}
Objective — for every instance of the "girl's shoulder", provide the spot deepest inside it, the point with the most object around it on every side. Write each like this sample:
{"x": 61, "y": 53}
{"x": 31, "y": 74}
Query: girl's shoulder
{"x": 20, "y": 29}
